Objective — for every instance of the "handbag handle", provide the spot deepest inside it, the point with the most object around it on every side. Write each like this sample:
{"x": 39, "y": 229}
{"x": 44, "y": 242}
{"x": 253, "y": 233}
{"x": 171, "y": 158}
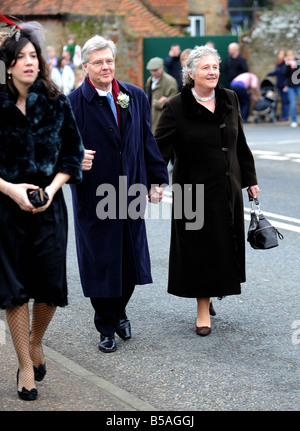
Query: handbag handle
{"x": 254, "y": 211}
{"x": 251, "y": 199}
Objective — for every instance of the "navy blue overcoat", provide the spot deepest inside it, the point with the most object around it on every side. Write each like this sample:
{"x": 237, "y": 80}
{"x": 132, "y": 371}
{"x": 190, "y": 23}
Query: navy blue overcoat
{"x": 116, "y": 247}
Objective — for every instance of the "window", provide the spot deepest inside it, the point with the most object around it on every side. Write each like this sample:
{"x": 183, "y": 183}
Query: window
{"x": 197, "y": 25}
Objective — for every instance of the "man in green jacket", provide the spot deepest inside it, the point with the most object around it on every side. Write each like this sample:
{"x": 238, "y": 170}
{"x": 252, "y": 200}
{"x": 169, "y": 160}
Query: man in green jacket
{"x": 160, "y": 87}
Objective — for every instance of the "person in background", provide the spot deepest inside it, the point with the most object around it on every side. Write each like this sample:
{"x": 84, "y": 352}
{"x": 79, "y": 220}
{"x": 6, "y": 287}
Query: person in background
{"x": 210, "y": 44}
{"x": 173, "y": 65}
{"x": 40, "y": 147}
{"x": 51, "y": 57}
{"x": 203, "y": 126}
{"x": 63, "y": 76}
{"x": 160, "y": 86}
{"x": 292, "y": 84}
{"x": 183, "y": 56}
{"x": 68, "y": 57}
{"x": 74, "y": 49}
{"x": 114, "y": 119}
{"x": 235, "y": 63}
{"x": 279, "y": 72}
{"x": 246, "y": 87}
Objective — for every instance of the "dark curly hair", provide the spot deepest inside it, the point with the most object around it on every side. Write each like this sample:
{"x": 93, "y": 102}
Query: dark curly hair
{"x": 9, "y": 51}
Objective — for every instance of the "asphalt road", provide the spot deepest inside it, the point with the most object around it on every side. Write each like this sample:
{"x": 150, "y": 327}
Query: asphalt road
{"x": 251, "y": 360}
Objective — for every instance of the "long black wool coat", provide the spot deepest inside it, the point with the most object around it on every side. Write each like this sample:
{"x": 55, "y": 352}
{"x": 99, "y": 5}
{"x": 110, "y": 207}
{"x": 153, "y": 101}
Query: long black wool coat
{"x": 210, "y": 149}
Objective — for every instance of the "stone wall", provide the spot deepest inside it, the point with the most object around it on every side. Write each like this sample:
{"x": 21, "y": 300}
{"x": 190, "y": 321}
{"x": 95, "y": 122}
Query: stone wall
{"x": 271, "y": 32}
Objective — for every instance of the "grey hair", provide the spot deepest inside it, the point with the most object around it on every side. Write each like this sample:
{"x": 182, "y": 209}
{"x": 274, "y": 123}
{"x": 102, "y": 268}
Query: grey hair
{"x": 193, "y": 59}
{"x": 95, "y": 43}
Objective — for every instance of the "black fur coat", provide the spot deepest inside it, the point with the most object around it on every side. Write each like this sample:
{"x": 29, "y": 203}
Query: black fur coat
{"x": 42, "y": 143}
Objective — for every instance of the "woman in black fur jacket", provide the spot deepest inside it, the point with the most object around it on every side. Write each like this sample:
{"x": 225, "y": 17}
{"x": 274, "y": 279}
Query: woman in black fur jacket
{"x": 40, "y": 147}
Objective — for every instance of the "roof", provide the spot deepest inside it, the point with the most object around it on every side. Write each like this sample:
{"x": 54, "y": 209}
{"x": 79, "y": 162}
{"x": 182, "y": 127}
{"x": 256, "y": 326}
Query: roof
{"x": 139, "y": 18}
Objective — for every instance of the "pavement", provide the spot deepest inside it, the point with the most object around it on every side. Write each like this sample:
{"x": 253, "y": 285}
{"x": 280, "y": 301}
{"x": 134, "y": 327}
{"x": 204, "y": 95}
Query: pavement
{"x": 67, "y": 386}
{"x": 250, "y": 362}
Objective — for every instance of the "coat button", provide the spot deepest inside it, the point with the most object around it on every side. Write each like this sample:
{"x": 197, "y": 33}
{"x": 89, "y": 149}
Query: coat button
{"x": 110, "y": 129}
{"x": 222, "y": 126}
{"x": 225, "y": 149}
{"x": 228, "y": 174}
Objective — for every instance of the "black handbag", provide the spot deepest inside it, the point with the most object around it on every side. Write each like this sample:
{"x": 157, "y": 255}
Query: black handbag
{"x": 261, "y": 234}
{"x": 38, "y": 198}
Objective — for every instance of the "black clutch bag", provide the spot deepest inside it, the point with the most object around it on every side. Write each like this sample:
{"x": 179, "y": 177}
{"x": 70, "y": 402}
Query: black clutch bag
{"x": 38, "y": 198}
{"x": 261, "y": 234}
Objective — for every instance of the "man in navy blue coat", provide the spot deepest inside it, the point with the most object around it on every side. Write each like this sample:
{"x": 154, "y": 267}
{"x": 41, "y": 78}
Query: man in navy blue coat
{"x": 122, "y": 165}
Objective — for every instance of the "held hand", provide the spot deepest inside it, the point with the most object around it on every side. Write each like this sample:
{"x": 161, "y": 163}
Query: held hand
{"x": 155, "y": 194}
{"x": 58, "y": 181}
{"x": 18, "y": 193}
{"x": 253, "y": 191}
{"x": 87, "y": 162}
{"x": 51, "y": 192}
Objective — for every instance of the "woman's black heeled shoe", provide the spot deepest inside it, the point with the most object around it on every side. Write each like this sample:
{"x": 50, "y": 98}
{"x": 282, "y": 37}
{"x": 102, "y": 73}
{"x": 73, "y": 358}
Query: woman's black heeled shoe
{"x": 25, "y": 394}
{"x": 39, "y": 372}
{"x": 212, "y": 311}
{"x": 203, "y": 331}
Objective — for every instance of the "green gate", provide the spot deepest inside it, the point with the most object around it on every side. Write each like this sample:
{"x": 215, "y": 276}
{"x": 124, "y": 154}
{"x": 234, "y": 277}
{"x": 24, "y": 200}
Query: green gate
{"x": 160, "y": 47}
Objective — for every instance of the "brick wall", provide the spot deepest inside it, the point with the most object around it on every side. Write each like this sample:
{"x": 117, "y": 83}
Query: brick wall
{"x": 129, "y": 65}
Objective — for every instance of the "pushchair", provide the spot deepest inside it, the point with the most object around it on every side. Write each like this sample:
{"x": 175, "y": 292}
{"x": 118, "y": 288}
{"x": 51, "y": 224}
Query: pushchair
{"x": 266, "y": 107}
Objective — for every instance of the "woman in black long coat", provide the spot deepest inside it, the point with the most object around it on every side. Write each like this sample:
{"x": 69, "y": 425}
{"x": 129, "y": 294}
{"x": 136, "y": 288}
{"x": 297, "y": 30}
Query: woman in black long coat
{"x": 203, "y": 126}
{"x": 40, "y": 146}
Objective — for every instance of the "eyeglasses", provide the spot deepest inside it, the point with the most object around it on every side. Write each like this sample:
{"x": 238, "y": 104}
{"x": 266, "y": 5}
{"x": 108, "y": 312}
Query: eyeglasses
{"x": 99, "y": 63}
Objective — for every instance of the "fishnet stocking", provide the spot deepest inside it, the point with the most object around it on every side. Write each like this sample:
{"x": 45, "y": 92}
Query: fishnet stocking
{"x": 41, "y": 317}
{"x": 28, "y": 346}
{"x": 18, "y": 321}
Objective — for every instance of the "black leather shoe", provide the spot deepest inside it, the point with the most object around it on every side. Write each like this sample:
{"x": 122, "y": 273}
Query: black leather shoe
{"x": 107, "y": 344}
{"x": 25, "y": 394}
{"x": 123, "y": 328}
{"x": 203, "y": 331}
{"x": 212, "y": 311}
{"x": 39, "y": 372}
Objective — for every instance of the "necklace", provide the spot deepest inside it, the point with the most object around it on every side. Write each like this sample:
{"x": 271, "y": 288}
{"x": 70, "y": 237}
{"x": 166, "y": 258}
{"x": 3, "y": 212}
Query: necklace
{"x": 203, "y": 99}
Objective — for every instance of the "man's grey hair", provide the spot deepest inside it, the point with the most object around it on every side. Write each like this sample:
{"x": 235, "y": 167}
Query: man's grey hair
{"x": 95, "y": 43}
{"x": 193, "y": 59}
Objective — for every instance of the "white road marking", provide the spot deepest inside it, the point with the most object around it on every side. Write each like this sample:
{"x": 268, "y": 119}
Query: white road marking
{"x": 276, "y": 155}
{"x": 279, "y": 221}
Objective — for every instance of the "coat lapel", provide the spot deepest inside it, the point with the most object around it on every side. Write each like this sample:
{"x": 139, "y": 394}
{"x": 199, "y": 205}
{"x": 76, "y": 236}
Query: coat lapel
{"x": 191, "y": 107}
{"x": 125, "y": 112}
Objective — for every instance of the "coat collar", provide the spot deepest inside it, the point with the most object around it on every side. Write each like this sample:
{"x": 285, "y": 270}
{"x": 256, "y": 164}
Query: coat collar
{"x": 89, "y": 92}
{"x": 36, "y": 88}
{"x": 36, "y": 102}
{"x": 191, "y": 107}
